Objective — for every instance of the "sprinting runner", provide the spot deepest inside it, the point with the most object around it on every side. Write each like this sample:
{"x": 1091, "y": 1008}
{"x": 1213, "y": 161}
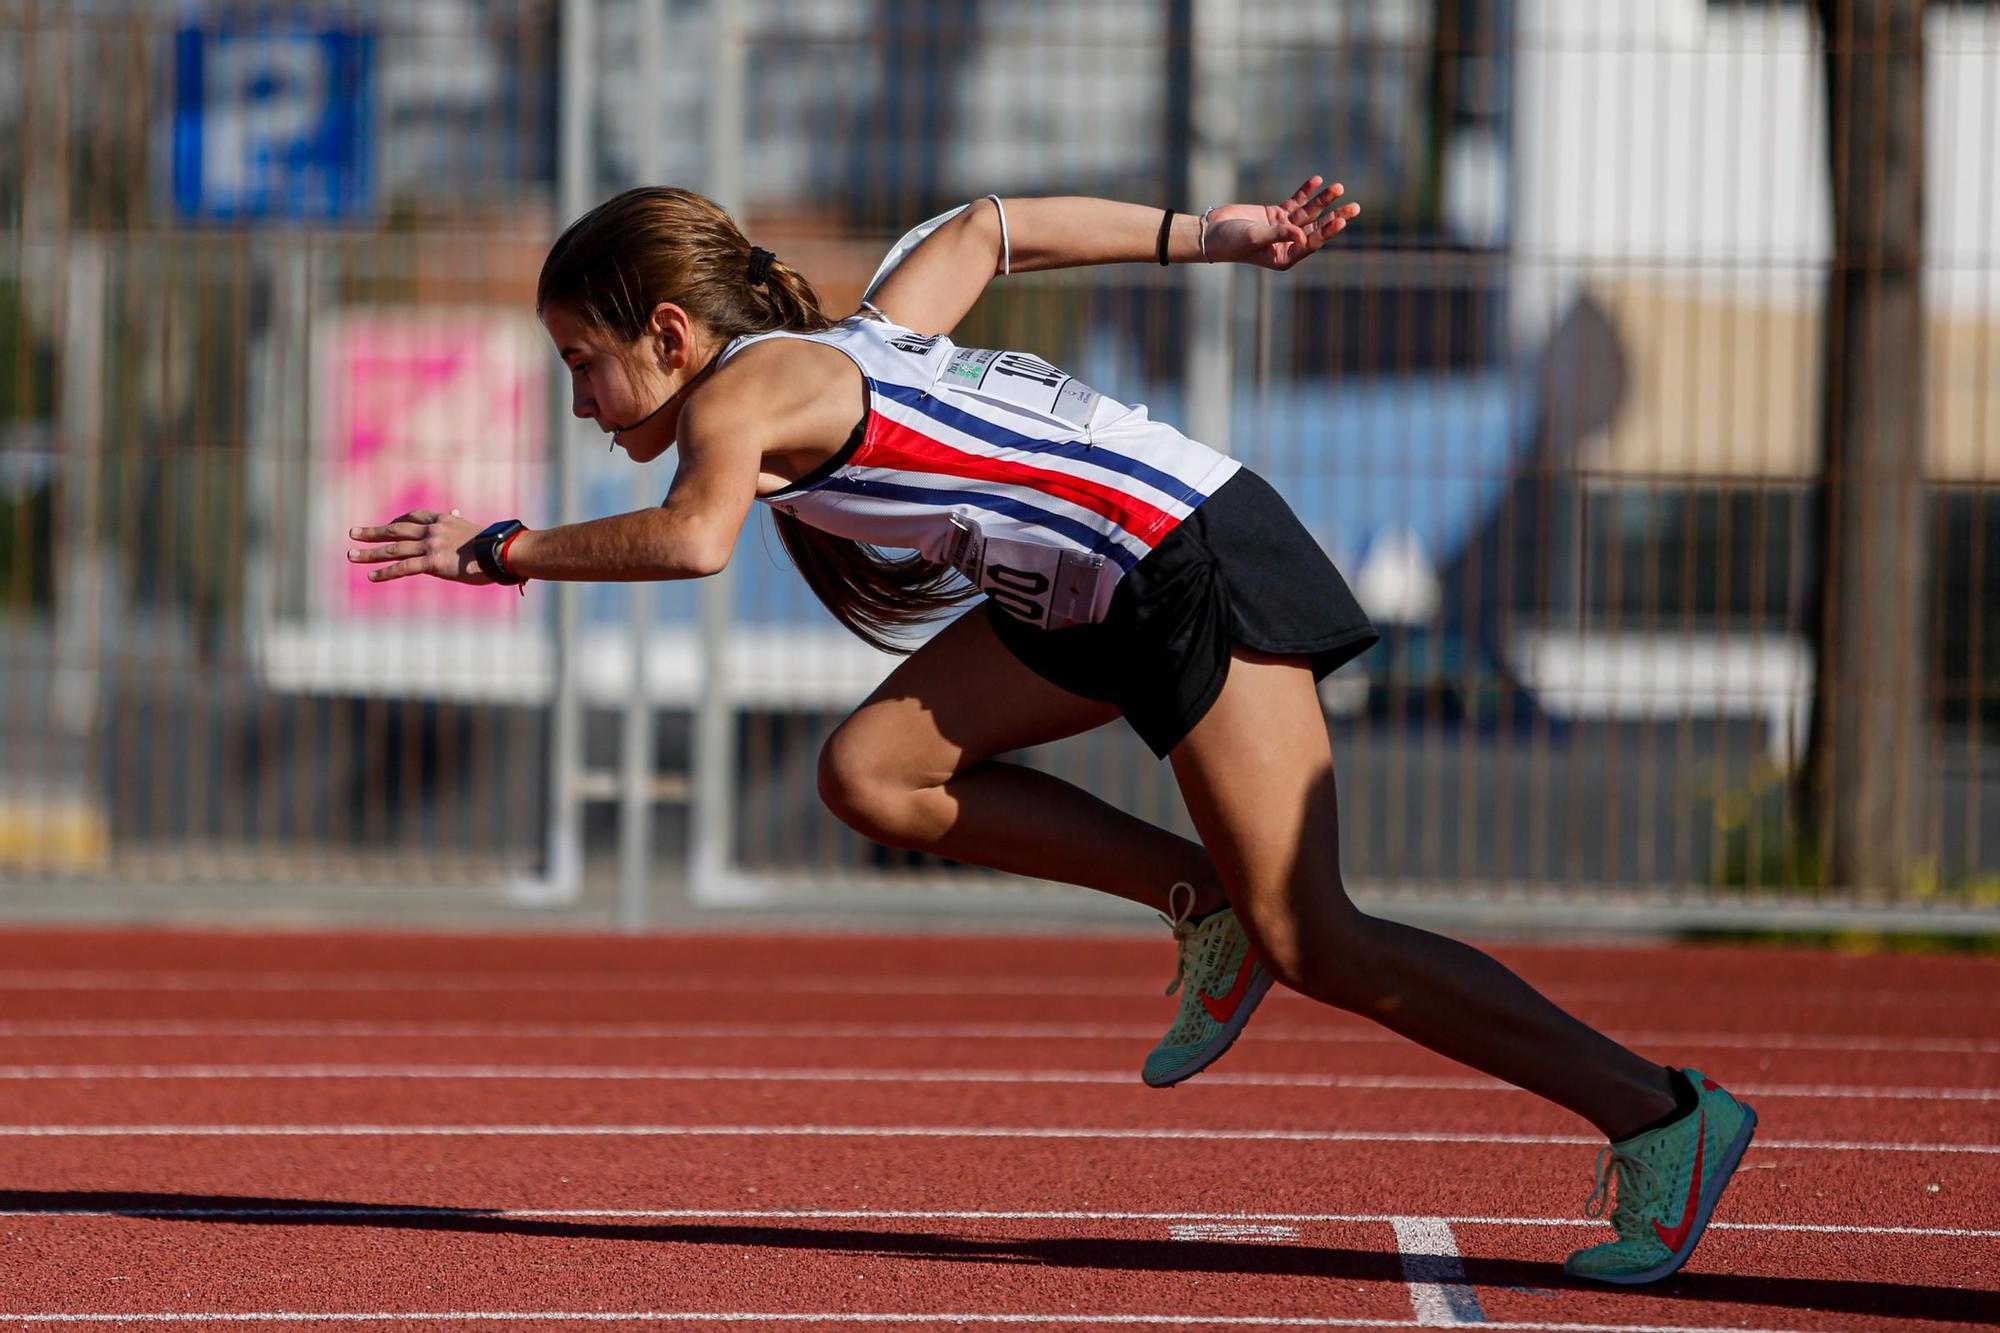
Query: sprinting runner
{"x": 1126, "y": 570}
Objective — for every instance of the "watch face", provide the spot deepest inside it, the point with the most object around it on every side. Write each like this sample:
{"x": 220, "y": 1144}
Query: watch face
{"x": 486, "y": 549}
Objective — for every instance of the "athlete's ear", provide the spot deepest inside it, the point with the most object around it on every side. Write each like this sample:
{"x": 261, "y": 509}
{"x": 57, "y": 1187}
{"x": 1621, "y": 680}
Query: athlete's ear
{"x": 670, "y": 325}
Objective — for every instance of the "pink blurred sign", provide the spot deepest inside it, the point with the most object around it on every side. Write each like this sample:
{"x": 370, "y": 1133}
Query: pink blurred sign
{"x": 424, "y": 409}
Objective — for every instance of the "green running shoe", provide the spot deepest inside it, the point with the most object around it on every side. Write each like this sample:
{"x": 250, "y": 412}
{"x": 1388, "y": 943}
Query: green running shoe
{"x": 1220, "y": 978}
{"x": 1668, "y": 1181}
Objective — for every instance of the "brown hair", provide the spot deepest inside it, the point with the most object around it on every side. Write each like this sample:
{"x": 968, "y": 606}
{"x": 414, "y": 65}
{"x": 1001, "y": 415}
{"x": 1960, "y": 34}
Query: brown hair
{"x": 637, "y": 249}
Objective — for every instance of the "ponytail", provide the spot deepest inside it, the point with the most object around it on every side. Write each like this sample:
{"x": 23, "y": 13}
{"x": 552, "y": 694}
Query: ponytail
{"x": 873, "y": 594}
{"x": 637, "y": 249}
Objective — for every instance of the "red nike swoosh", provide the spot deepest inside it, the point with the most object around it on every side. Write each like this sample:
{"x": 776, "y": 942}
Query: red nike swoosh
{"x": 1674, "y": 1239}
{"x": 1221, "y": 1007}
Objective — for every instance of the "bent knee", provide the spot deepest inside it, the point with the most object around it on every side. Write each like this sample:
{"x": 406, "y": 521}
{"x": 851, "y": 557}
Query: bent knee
{"x": 1329, "y": 956}
{"x": 870, "y": 790}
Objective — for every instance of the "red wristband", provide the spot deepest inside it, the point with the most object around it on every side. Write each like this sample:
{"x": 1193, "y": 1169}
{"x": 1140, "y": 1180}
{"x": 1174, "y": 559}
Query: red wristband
{"x": 500, "y": 557}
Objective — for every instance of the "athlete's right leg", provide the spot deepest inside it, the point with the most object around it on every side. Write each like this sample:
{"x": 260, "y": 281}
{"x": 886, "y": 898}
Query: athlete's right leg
{"x": 913, "y": 767}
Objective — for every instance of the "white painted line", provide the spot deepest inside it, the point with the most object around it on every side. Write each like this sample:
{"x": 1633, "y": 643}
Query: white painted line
{"x": 369, "y": 1211}
{"x": 927, "y": 1319}
{"x": 951, "y": 1031}
{"x": 1268, "y": 1233}
{"x": 1439, "y": 1292}
{"x": 808, "y": 1074}
{"x": 1177, "y": 1135}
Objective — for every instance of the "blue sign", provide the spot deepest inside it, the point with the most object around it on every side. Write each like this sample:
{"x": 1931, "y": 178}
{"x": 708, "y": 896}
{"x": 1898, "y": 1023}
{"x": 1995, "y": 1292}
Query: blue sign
{"x": 273, "y": 122}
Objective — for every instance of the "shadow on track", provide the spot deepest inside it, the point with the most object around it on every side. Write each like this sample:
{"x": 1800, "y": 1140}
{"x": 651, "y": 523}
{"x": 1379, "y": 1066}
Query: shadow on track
{"x": 1827, "y": 1295}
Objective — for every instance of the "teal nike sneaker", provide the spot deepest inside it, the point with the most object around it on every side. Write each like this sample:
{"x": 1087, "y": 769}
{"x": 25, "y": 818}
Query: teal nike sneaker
{"x": 1667, "y": 1184}
{"x": 1221, "y": 980}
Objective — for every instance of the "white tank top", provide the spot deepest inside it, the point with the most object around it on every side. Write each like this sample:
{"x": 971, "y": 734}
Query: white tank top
{"x": 1037, "y": 488}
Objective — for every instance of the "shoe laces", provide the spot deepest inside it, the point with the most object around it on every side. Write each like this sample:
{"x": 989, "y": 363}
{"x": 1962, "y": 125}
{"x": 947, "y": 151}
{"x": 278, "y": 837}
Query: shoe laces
{"x": 1635, "y": 1178}
{"x": 1183, "y": 930}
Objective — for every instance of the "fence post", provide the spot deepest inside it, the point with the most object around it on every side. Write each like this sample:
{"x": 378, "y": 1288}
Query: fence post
{"x": 713, "y": 790}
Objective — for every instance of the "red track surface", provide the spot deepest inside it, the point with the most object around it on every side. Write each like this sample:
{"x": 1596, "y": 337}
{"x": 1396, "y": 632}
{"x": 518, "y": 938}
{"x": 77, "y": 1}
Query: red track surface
{"x": 569, "y": 1132}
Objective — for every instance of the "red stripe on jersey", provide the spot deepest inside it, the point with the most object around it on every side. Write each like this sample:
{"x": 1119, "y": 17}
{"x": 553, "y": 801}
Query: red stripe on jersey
{"x": 895, "y": 445}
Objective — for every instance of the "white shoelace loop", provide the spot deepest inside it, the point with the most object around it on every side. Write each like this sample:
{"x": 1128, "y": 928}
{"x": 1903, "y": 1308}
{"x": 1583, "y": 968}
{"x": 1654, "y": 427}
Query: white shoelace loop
{"x": 1183, "y": 931}
{"x": 1631, "y": 1174}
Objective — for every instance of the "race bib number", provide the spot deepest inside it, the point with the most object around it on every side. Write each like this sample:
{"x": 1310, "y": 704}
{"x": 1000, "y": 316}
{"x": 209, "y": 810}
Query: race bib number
{"x": 1021, "y": 381}
{"x": 1043, "y": 585}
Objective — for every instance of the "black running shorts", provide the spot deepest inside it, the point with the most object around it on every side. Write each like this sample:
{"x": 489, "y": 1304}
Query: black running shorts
{"x": 1241, "y": 569}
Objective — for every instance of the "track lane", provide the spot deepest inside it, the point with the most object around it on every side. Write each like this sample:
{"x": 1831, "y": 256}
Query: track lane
{"x": 1373, "y": 1053}
{"x": 1906, "y": 1025}
{"x": 1149, "y": 1175}
{"x": 877, "y": 1264}
{"x": 471, "y": 1263}
{"x": 1193, "y": 1108}
{"x": 1960, "y": 1025}
{"x": 1861, "y": 977}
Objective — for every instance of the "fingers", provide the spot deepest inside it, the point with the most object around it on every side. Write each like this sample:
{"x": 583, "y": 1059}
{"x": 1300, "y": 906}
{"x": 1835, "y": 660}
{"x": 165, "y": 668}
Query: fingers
{"x": 402, "y": 570}
{"x": 403, "y": 529}
{"x": 1334, "y": 221}
{"x": 419, "y": 542}
{"x": 374, "y": 555}
{"x": 1315, "y": 205}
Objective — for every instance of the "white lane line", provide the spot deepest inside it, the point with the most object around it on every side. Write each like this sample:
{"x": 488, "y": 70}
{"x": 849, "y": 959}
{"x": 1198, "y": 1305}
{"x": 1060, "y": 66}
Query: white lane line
{"x": 928, "y": 1319}
{"x": 1267, "y": 1233}
{"x": 949, "y": 1031}
{"x": 807, "y": 1074}
{"x": 370, "y": 1211}
{"x": 984, "y": 982}
{"x": 1177, "y": 1135}
{"x": 1439, "y": 1292}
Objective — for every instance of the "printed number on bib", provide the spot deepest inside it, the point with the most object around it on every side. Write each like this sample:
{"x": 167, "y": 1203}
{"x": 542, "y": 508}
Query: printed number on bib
{"x": 1020, "y": 381}
{"x": 1043, "y": 585}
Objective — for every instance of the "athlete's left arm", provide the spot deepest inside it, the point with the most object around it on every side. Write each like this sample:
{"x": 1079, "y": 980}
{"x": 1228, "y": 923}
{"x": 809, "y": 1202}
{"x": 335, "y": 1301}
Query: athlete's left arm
{"x": 931, "y": 289}
{"x": 689, "y": 536}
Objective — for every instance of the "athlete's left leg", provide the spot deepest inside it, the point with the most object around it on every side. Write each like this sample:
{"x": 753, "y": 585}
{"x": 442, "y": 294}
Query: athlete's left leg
{"x": 914, "y": 767}
{"x": 1257, "y": 774}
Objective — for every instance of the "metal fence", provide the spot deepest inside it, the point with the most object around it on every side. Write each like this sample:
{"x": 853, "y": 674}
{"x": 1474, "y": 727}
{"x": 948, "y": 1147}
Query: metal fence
{"x": 266, "y": 271}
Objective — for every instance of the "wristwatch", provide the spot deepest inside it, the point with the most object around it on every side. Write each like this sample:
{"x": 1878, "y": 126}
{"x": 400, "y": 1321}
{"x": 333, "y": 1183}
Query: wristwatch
{"x": 489, "y": 551}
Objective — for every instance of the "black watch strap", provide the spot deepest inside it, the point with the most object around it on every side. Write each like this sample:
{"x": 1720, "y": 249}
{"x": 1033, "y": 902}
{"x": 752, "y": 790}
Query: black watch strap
{"x": 486, "y": 551}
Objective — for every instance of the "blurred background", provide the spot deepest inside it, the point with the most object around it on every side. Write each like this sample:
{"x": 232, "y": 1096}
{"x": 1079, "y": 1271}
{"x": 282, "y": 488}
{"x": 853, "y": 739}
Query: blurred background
{"x": 1652, "y": 407}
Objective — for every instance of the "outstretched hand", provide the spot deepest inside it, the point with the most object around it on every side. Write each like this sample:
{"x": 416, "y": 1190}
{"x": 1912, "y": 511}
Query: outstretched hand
{"x": 422, "y": 541}
{"x": 1277, "y": 236}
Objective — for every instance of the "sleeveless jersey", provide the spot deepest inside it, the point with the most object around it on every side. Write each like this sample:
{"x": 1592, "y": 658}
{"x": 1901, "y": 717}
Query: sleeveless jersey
{"x": 1040, "y": 490}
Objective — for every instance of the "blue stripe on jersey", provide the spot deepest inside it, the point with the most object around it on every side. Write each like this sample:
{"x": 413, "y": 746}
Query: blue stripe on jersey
{"x": 1081, "y": 533}
{"x": 986, "y": 431}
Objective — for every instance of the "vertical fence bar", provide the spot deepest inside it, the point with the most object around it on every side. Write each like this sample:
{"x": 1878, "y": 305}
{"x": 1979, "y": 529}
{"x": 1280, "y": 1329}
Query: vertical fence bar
{"x": 635, "y": 791}
{"x": 575, "y": 179}
{"x": 713, "y": 812}
{"x": 1209, "y": 370}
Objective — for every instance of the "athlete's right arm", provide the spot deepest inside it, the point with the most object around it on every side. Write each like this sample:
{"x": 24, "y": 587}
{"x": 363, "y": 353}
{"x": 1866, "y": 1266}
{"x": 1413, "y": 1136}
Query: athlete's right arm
{"x": 691, "y": 535}
{"x": 933, "y": 286}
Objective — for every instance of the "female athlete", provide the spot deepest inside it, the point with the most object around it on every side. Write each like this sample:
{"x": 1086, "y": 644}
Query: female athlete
{"x": 1126, "y": 570}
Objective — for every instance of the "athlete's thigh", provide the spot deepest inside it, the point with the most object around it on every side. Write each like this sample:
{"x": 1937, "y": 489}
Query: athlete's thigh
{"x": 962, "y": 698}
{"x": 1257, "y": 775}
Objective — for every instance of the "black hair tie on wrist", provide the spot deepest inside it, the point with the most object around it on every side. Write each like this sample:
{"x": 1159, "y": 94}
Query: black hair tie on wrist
{"x": 1160, "y": 246}
{"x": 760, "y": 265}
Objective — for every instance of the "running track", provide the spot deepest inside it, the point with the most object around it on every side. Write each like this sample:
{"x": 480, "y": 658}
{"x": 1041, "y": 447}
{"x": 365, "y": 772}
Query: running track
{"x": 439, "y": 1133}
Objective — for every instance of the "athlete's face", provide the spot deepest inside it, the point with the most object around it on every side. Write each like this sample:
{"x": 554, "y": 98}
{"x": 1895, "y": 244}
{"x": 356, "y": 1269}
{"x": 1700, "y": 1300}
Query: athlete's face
{"x": 631, "y": 390}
